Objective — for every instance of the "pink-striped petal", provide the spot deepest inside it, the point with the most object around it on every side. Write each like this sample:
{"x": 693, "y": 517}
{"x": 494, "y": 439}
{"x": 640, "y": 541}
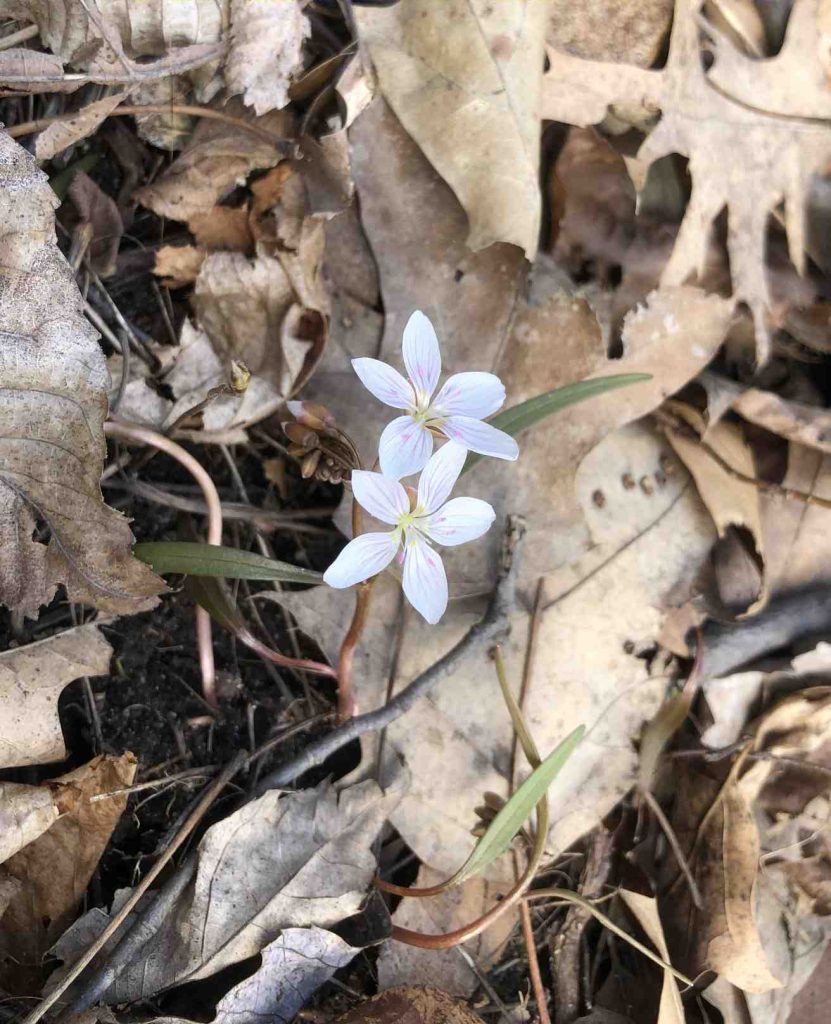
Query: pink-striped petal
{"x": 424, "y": 580}
{"x": 470, "y": 394}
{"x": 440, "y": 476}
{"x": 382, "y": 497}
{"x": 362, "y": 558}
{"x": 480, "y": 437}
{"x": 404, "y": 448}
{"x": 459, "y": 521}
{"x": 421, "y": 355}
{"x": 386, "y": 383}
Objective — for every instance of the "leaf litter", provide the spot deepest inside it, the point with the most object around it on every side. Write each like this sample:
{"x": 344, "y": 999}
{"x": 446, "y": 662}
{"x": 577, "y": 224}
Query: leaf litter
{"x": 244, "y": 198}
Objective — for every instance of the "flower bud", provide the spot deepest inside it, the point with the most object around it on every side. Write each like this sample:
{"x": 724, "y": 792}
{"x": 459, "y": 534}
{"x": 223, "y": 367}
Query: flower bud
{"x": 309, "y": 464}
{"x": 238, "y": 376}
{"x": 312, "y": 415}
{"x": 301, "y": 435}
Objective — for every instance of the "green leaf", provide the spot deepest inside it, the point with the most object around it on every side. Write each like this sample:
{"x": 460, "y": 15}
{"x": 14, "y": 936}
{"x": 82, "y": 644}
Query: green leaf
{"x": 194, "y": 559}
{"x": 517, "y": 810}
{"x": 520, "y": 417}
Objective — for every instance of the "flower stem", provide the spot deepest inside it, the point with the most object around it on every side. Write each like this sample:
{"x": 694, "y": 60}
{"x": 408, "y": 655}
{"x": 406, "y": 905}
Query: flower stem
{"x": 346, "y": 701}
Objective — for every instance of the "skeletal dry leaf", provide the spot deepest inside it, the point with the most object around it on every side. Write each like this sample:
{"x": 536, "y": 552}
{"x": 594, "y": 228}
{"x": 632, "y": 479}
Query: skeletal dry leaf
{"x": 743, "y": 154}
{"x": 53, "y": 870}
{"x": 52, "y": 409}
{"x": 31, "y": 680}
{"x": 57, "y": 137}
{"x": 464, "y": 79}
{"x": 284, "y": 861}
{"x": 266, "y": 51}
{"x": 103, "y": 216}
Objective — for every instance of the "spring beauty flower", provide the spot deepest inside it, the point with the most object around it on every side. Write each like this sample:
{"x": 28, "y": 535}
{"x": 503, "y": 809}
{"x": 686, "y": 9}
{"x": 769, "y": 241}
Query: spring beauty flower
{"x": 457, "y": 411}
{"x": 431, "y": 519}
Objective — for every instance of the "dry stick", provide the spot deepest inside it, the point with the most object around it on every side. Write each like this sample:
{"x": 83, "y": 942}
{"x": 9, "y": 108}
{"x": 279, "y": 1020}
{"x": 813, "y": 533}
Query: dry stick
{"x": 190, "y": 824}
{"x": 134, "y": 432}
{"x": 30, "y": 127}
{"x": 7, "y": 42}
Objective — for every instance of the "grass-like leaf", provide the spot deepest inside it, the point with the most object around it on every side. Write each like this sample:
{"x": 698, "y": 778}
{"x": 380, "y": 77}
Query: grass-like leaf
{"x": 194, "y": 559}
{"x": 517, "y": 810}
{"x": 520, "y": 417}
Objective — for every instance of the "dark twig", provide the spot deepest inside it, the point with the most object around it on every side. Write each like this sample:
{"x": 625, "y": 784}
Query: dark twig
{"x": 485, "y": 631}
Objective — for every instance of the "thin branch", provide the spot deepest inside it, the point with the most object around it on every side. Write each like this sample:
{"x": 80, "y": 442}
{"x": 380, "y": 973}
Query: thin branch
{"x": 16, "y": 38}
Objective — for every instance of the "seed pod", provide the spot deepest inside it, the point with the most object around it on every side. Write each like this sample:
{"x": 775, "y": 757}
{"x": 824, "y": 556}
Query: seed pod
{"x": 309, "y": 464}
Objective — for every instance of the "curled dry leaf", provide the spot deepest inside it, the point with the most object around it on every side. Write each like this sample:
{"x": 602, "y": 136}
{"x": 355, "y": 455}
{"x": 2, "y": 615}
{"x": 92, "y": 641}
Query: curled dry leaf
{"x": 465, "y": 81}
{"x": 53, "y": 403}
{"x": 31, "y": 679}
{"x": 284, "y": 861}
{"x": 102, "y": 215}
{"x": 57, "y": 137}
{"x": 741, "y": 157}
{"x": 25, "y": 813}
{"x": 266, "y": 50}
{"x": 18, "y": 68}
{"x": 53, "y": 870}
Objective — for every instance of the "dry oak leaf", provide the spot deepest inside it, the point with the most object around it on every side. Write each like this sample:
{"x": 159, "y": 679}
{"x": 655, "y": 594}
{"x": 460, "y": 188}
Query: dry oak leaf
{"x": 53, "y": 870}
{"x": 31, "y": 680}
{"x": 57, "y": 137}
{"x": 464, "y": 78}
{"x": 266, "y": 49}
{"x": 740, "y": 157}
{"x": 629, "y": 31}
{"x": 101, "y": 214}
{"x": 53, "y": 403}
{"x": 410, "y": 1004}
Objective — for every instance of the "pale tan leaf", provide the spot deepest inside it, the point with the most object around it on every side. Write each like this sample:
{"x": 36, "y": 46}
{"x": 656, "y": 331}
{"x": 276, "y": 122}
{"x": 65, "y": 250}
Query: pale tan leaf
{"x": 178, "y": 265}
{"x": 283, "y": 861}
{"x": 628, "y": 31}
{"x": 19, "y": 66}
{"x": 62, "y": 134}
{"x": 218, "y": 157}
{"x": 402, "y": 964}
{"x": 54, "y": 870}
{"x": 464, "y": 78}
{"x": 223, "y": 227}
{"x": 100, "y": 212}
{"x": 31, "y": 679}
{"x": 645, "y": 911}
{"x": 25, "y": 813}
{"x": 266, "y": 50}
{"x": 795, "y": 421}
{"x": 740, "y": 156}
{"x": 52, "y": 407}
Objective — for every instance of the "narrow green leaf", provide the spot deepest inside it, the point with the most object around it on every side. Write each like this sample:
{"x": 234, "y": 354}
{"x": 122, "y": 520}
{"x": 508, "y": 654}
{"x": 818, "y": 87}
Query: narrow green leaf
{"x": 520, "y": 417}
{"x": 194, "y": 559}
{"x": 517, "y": 810}
{"x": 214, "y": 596}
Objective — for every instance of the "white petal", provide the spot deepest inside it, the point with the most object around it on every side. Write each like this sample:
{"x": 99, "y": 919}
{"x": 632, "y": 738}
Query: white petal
{"x": 480, "y": 437}
{"x": 459, "y": 521}
{"x": 384, "y": 382}
{"x": 470, "y": 394}
{"x": 425, "y": 582}
{"x": 440, "y": 475}
{"x": 382, "y": 497}
{"x": 362, "y": 557}
{"x": 404, "y": 447}
{"x": 421, "y": 354}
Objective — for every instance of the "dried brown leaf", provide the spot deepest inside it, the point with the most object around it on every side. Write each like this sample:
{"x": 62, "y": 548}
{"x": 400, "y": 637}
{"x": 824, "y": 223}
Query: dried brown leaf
{"x": 465, "y": 80}
{"x": 645, "y": 911}
{"x": 410, "y": 1005}
{"x": 62, "y": 134}
{"x": 628, "y": 31}
{"x": 266, "y": 50}
{"x": 52, "y": 407}
{"x": 26, "y": 812}
{"x": 178, "y": 265}
{"x": 223, "y": 227}
{"x": 742, "y": 157}
{"x": 54, "y": 870}
{"x": 19, "y": 66}
{"x": 103, "y": 216}
{"x": 31, "y": 679}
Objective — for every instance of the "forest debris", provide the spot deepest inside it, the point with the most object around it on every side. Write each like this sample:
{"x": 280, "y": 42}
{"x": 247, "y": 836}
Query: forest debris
{"x": 21, "y": 69}
{"x": 25, "y": 813}
{"x": 293, "y": 967}
{"x": 51, "y": 417}
{"x": 31, "y": 678}
{"x": 795, "y": 421}
{"x": 284, "y": 861}
{"x": 625, "y": 31}
{"x": 736, "y": 152}
{"x": 402, "y": 964}
{"x": 645, "y": 911}
{"x": 266, "y": 50}
{"x": 410, "y": 1004}
{"x": 178, "y": 265}
{"x": 465, "y": 83}
{"x": 57, "y": 137}
{"x": 218, "y": 157}
{"x": 54, "y": 870}
{"x": 100, "y": 212}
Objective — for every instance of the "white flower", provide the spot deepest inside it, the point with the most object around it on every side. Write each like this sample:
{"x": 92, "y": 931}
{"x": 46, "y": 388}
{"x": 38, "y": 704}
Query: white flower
{"x": 432, "y": 519}
{"x": 457, "y": 411}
